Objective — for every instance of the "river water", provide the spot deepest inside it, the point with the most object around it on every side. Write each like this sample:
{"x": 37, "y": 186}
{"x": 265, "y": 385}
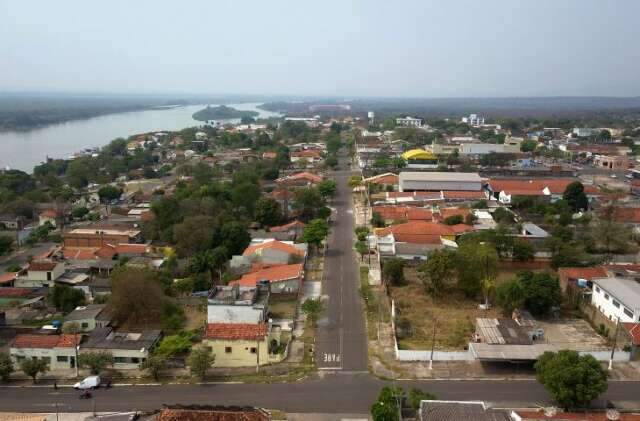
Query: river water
{"x": 24, "y": 149}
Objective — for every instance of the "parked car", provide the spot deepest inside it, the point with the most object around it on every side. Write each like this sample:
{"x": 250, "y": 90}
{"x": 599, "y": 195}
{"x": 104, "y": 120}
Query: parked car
{"x": 91, "y": 382}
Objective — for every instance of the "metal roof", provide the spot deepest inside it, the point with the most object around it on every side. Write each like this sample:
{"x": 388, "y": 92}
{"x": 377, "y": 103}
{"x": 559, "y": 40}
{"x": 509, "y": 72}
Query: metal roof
{"x": 440, "y": 176}
{"x": 490, "y": 352}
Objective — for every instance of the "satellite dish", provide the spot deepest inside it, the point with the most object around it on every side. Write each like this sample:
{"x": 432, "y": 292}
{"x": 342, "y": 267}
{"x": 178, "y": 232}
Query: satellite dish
{"x": 613, "y": 415}
{"x": 550, "y": 411}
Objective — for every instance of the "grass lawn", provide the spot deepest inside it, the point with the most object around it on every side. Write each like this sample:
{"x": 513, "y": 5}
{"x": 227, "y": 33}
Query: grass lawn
{"x": 455, "y": 316}
{"x": 283, "y": 309}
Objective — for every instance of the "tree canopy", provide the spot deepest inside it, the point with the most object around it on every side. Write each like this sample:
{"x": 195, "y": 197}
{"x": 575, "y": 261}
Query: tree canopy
{"x": 572, "y": 380}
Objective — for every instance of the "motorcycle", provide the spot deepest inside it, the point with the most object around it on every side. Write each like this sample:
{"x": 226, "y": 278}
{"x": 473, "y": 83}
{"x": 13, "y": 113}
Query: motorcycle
{"x": 86, "y": 395}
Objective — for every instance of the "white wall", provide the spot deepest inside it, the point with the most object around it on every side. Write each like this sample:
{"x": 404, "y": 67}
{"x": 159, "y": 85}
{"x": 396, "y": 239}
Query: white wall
{"x": 605, "y": 305}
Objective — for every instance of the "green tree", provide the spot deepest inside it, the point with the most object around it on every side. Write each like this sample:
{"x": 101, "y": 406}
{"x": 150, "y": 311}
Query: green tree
{"x": 6, "y": 366}
{"x": 33, "y": 367}
{"x": 528, "y": 146}
{"x": 541, "y": 292}
{"x": 454, "y": 220}
{"x": 393, "y": 271}
{"x": 416, "y": 396}
{"x": 437, "y": 271}
{"x": 194, "y": 235}
{"x": 108, "y": 193}
{"x": 199, "y": 361}
{"x": 475, "y": 262}
{"x": 312, "y": 308}
{"x": 80, "y": 212}
{"x": 327, "y": 188}
{"x": 233, "y": 236}
{"x": 388, "y": 405}
{"x": 362, "y": 248}
{"x": 6, "y": 244}
{"x": 315, "y": 232}
{"x": 211, "y": 260}
{"x": 245, "y": 195}
{"x": 572, "y": 380}
{"x": 66, "y": 298}
{"x": 377, "y": 221}
{"x": 268, "y": 212}
{"x": 522, "y": 250}
{"x": 136, "y": 295}
{"x": 575, "y": 196}
{"x": 95, "y": 361}
{"x": 510, "y": 296}
{"x": 307, "y": 201}
{"x": 154, "y": 364}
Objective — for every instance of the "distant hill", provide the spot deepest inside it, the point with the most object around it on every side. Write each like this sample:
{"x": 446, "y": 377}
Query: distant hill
{"x": 222, "y": 112}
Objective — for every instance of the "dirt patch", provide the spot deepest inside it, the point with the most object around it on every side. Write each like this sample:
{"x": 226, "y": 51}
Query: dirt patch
{"x": 454, "y": 313}
{"x": 283, "y": 309}
{"x": 196, "y": 316}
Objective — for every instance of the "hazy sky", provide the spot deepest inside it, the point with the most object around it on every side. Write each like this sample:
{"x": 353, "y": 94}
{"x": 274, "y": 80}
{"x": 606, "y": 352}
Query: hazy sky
{"x": 331, "y": 47}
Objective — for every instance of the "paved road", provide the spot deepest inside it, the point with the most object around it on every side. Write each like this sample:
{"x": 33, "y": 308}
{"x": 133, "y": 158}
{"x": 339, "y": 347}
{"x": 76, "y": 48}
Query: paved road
{"x": 20, "y": 257}
{"x": 341, "y": 339}
{"x": 336, "y": 393}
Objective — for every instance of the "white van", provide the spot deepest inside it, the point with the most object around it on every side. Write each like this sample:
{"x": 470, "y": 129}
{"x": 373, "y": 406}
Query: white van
{"x": 91, "y": 382}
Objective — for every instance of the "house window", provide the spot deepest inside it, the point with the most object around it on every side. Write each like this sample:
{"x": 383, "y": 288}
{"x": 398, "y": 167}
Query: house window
{"x": 85, "y": 325}
{"x": 606, "y": 296}
{"x": 253, "y": 350}
{"x": 48, "y": 276}
{"x": 20, "y": 357}
{"x": 135, "y": 360}
{"x": 62, "y": 358}
{"x": 46, "y": 360}
{"x": 628, "y": 313}
{"x": 119, "y": 360}
{"x": 597, "y": 289}
{"x": 227, "y": 350}
{"x": 615, "y": 303}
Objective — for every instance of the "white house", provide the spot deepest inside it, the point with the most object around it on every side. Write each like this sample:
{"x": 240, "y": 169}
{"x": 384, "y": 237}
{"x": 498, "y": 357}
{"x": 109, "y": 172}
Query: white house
{"x": 409, "y": 121}
{"x": 617, "y": 298}
{"x": 473, "y": 120}
{"x": 57, "y": 350}
{"x": 40, "y": 274}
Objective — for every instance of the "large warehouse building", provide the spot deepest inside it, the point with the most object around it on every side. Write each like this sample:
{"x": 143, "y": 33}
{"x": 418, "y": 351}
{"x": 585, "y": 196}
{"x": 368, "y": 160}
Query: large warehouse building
{"x": 439, "y": 181}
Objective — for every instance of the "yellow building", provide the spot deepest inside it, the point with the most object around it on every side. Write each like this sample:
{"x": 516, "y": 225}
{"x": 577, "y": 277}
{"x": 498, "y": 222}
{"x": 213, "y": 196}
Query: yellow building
{"x": 420, "y": 158}
{"x": 242, "y": 344}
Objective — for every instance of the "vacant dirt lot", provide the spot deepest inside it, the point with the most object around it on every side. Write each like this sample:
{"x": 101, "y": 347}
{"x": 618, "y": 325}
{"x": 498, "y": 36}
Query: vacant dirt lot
{"x": 455, "y": 316}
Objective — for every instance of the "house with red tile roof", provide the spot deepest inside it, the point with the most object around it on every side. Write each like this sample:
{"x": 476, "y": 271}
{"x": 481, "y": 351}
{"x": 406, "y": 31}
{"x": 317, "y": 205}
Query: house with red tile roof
{"x": 413, "y": 240}
{"x": 633, "y": 331}
{"x": 571, "y": 276}
{"x": 242, "y": 344}
{"x": 310, "y": 155}
{"x": 629, "y": 216}
{"x": 384, "y": 180}
{"x": 57, "y": 350}
{"x": 295, "y": 225}
{"x": 282, "y": 278}
{"x": 40, "y": 274}
{"x": 301, "y": 179}
{"x": 51, "y": 216}
{"x": 552, "y": 189}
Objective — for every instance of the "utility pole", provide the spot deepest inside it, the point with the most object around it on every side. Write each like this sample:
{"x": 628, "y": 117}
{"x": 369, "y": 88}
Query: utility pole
{"x": 433, "y": 342}
{"x": 613, "y": 347}
{"x": 257, "y": 354}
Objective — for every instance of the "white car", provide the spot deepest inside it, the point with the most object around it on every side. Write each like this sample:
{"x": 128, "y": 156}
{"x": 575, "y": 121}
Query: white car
{"x": 91, "y": 382}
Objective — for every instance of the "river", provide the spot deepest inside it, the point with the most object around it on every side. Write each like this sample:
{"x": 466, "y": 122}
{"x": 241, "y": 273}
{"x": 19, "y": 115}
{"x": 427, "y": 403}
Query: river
{"x": 25, "y": 149}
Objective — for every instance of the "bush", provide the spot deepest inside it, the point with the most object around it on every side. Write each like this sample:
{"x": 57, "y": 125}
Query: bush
{"x": 174, "y": 345}
{"x": 393, "y": 271}
{"x": 454, "y": 220}
{"x": 95, "y": 361}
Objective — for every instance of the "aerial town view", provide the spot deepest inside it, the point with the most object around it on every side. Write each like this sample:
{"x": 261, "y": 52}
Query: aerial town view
{"x": 346, "y": 210}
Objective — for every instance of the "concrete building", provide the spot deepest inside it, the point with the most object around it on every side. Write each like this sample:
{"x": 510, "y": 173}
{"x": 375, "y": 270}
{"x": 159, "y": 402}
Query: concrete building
{"x": 439, "y": 181}
{"x": 269, "y": 252}
{"x": 57, "y": 350}
{"x": 611, "y": 162}
{"x": 283, "y": 279}
{"x": 236, "y": 304}
{"x": 585, "y": 131}
{"x": 409, "y": 121}
{"x": 98, "y": 237}
{"x": 129, "y": 349}
{"x": 617, "y": 298}
{"x": 473, "y": 120}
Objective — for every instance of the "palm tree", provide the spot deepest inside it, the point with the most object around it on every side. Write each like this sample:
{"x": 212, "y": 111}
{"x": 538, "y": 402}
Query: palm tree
{"x": 211, "y": 260}
{"x": 488, "y": 287}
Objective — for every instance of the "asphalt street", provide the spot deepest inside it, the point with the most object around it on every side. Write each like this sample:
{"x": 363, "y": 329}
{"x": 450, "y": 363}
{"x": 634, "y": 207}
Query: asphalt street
{"x": 341, "y": 342}
{"x": 339, "y": 392}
